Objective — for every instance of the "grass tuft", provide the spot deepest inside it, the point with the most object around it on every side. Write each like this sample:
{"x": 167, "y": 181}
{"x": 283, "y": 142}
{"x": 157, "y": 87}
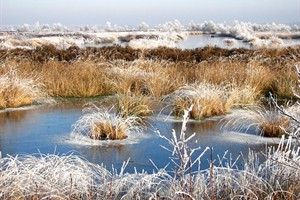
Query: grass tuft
{"x": 98, "y": 123}
{"x": 268, "y": 123}
{"x": 131, "y": 105}
{"x": 17, "y": 91}
{"x": 209, "y": 100}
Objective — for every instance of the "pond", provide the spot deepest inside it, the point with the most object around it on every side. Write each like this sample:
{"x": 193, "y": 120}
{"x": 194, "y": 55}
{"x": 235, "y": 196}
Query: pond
{"x": 47, "y": 129}
{"x": 203, "y": 40}
{"x": 200, "y": 41}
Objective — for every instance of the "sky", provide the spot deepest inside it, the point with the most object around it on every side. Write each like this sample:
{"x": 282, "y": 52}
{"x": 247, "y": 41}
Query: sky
{"x": 153, "y": 12}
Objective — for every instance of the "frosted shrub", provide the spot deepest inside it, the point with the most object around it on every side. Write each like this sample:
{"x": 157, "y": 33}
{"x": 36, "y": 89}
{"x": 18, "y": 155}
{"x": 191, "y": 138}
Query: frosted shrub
{"x": 58, "y": 27}
{"x": 181, "y": 157}
{"x": 24, "y": 28}
{"x": 143, "y": 26}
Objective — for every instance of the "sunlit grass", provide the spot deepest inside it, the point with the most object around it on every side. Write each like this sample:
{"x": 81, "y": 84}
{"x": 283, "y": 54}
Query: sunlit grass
{"x": 102, "y": 71}
{"x": 17, "y": 91}
{"x": 78, "y": 79}
{"x": 145, "y": 77}
{"x": 209, "y": 100}
{"x": 134, "y": 105}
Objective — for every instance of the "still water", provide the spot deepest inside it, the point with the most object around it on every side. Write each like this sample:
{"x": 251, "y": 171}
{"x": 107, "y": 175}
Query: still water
{"x": 203, "y": 40}
{"x": 47, "y": 129}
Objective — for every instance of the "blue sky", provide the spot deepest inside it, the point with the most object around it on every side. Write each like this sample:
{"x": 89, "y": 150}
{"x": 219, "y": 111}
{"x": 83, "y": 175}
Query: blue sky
{"x": 153, "y": 12}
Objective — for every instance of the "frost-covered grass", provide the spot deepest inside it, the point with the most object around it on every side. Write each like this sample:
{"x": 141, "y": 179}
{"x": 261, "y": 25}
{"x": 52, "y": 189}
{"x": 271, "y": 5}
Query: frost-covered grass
{"x": 17, "y": 91}
{"x": 99, "y": 123}
{"x": 268, "y": 123}
{"x": 209, "y": 100}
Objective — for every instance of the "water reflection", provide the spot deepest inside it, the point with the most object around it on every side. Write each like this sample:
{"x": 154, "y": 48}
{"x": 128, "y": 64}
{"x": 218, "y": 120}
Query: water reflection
{"x": 199, "y": 41}
{"x": 12, "y": 116}
{"x": 47, "y": 128}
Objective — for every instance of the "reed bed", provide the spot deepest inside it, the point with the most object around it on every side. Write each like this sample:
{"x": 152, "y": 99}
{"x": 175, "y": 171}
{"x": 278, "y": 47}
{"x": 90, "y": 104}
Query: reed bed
{"x": 156, "y": 73}
{"x": 99, "y": 123}
{"x": 145, "y": 77}
{"x": 78, "y": 79}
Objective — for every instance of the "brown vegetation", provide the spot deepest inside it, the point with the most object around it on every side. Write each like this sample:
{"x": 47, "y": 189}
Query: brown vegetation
{"x": 99, "y": 123}
{"x": 267, "y": 122}
{"x": 104, "y": 130}
{"x": 210, "y": 100}
{"x": 78, "y": 79}
{"x": 16, "y": 91}
{"x": 156, "y": 72}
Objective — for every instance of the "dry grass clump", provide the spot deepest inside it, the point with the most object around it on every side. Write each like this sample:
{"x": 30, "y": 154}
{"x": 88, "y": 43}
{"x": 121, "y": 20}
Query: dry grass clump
{"x": 268, "y": 123}
{"x": 285, "y": 83}
{"x": 163, "y": 80}
{"x": 210, "y": 100}
{"x": 134, "y": 105}
{"x": 99, "y": 123}
{"x": 258, "y": 77}
{"x": 242, "y": 74}
{"x": 207, "y": 100}
{"x": 16, "y": 91}
{"x": 241, "y": 96}
{"x": 128, "y": 79}
{"x": 105, "y": 130}
{"x": 78, "y": 79}
{"x": 145, "y": 77}
{"x": 140, "y": 82}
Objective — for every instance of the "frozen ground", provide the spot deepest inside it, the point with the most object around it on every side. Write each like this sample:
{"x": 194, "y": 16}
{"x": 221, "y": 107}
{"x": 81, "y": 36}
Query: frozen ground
{"x": 169, "y": 34}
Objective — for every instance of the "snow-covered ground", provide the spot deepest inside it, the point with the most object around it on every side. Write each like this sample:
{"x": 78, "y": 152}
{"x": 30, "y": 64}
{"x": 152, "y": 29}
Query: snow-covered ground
{"x": 167, "y": 35}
